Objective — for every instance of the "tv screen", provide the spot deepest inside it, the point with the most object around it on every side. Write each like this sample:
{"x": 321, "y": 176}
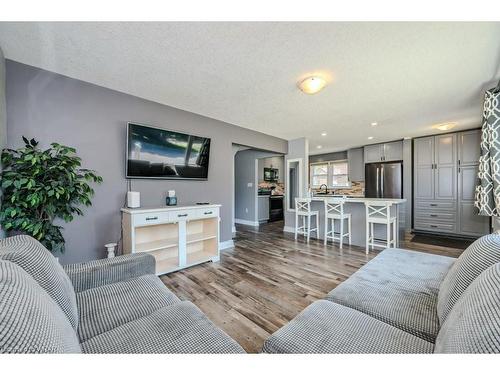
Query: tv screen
{"x": 160, "y": 153}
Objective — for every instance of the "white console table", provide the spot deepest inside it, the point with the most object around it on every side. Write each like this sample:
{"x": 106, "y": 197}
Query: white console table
{"x": 177, "y": 236}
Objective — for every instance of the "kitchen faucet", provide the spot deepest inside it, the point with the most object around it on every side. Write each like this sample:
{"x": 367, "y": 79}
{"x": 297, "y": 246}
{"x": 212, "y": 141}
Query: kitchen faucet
{"x": 326, "y": 188}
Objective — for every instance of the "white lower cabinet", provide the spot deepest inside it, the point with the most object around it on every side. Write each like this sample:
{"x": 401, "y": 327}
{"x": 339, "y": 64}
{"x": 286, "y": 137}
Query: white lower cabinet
{"x": 178, "y": 237}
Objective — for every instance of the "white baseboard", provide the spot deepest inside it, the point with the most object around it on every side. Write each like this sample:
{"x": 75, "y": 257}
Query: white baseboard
{"x": 247, "y": 222}
{"x": 289, "y": 229}
{"x": 224, "y": 245}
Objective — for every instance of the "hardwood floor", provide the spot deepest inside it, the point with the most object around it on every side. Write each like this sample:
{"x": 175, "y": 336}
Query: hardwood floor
{"x": 267, "y": 279}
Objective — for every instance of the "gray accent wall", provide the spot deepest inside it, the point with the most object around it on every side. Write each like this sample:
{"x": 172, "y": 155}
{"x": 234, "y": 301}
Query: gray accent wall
{"x": 3, "y": 116}
{"x": 54, "y": 108}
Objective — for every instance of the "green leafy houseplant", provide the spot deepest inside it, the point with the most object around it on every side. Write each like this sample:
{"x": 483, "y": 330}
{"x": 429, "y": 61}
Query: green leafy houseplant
{"x": 40, "y": 186}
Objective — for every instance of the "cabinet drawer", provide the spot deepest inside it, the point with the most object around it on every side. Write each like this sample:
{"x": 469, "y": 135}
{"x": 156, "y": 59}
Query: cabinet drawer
{"x": 435, "y": 205}
{"x": 425, "y": 215}
{"x": 207, "y": 212}
{"x": 434, "y": 226}
{"x": 151, "y": 218}
{"x": 183, "y": 215}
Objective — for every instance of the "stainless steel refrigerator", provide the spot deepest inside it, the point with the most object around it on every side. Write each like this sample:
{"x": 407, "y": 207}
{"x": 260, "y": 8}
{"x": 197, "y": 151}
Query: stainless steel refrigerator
{"x": 384, "y": 180}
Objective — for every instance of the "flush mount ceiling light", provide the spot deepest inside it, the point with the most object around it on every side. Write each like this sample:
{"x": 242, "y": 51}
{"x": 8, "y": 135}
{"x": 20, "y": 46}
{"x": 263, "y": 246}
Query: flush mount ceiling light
{"x": 312, "y": 85}
{"x": 374, "y": 124}
{"x": 445, "y": 126}
{"x": 318, "y": 146}
{"x": 323, "y": 134}
{"x": 370, "y": 137}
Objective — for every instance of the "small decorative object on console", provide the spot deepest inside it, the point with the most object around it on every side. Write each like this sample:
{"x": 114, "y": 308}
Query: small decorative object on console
{"x": 133, "y": 199}
{"x": 171, "y": 198}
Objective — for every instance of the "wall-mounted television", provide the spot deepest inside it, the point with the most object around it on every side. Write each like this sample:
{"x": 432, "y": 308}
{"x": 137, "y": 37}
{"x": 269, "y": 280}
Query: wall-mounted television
{"x": 160, "y": 153}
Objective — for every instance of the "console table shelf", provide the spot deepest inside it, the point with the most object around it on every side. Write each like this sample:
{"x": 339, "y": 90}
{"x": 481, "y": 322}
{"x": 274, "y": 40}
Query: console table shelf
{"x": 156, "y": 245}
{"x": 199, "y": 237}
{"x": 178, "y": 237}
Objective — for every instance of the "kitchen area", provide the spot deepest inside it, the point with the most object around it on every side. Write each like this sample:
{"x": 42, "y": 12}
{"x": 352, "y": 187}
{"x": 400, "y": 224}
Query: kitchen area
{"x": 429, "y": 183}
{"x": 371, "y": 173}
{"x": 271, "y": 190}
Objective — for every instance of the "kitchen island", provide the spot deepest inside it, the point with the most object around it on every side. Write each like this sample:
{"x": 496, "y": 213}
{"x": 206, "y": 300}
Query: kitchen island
{"x": 356, "y": 207}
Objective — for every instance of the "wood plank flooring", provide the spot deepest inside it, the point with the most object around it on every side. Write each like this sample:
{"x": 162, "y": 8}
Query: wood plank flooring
{"x": 267, "y": 279}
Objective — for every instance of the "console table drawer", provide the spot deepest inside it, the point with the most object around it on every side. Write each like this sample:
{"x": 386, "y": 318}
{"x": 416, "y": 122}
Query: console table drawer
{"x": 183, "y": 215}
{"x": 207, "y": 212}
{"x": 151, "y": 218}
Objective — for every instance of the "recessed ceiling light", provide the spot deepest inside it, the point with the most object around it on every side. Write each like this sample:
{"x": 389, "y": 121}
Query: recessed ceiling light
{"x": 312, "y": 85}
{"x": 445, "y": 126}
{"x": 319, "y": 146}
{"x": 370, "y": 137}
{"x": 323, "y": 134}
{"x": 374, "y": 123}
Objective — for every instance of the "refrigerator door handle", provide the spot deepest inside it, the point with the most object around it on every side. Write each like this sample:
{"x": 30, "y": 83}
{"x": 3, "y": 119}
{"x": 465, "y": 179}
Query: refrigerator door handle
{"x": 377, "y": 184}
{"x": 382, "y": 182}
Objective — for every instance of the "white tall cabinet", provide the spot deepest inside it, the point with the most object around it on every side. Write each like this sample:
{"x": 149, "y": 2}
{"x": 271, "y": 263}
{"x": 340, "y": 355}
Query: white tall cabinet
{"x": 178, "y": 237}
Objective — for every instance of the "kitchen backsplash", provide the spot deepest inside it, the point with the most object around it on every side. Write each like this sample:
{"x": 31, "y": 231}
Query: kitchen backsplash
{"x": 357, "y": 188}
{"x": 279, "y": 188}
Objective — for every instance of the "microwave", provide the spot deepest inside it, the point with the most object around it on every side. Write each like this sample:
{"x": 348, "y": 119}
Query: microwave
{"x": 271, "y": 174}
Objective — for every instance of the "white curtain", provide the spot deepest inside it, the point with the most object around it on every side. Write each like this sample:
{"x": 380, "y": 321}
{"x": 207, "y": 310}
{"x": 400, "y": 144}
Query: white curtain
{"x": 488, "y": 189}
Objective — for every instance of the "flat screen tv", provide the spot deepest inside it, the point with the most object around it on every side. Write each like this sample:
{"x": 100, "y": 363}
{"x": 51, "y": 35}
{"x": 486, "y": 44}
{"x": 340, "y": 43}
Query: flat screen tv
{"x": 159, "y": 153}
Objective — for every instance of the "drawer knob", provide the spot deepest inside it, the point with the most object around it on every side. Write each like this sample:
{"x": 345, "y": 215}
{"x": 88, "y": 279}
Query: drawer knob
{"x": 433, "y": 215}
{"x": 182, "y": 215}
{"x": 208, "y": 213}
{"x": 152, "y": 218}
{"x": 434, "y": 226}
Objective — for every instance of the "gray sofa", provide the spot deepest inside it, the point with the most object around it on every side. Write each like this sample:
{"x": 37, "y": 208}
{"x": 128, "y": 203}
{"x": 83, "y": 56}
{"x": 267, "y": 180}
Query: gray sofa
{"x": 406, "y": 302}
{"x": 115, "y": 305}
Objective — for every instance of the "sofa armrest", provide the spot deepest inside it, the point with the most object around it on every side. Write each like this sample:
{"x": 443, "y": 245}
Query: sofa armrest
{"x": 100, "y": 272}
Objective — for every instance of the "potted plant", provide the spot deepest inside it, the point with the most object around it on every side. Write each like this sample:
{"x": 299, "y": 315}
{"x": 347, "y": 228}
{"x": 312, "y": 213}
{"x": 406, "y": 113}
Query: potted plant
{"x": 40, "y": 186}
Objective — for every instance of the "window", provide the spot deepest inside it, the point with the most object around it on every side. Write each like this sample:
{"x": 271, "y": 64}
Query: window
{"x": 319, "y": 174}
{"x": 340, "y": 174}
{"x": 335, "y": 174}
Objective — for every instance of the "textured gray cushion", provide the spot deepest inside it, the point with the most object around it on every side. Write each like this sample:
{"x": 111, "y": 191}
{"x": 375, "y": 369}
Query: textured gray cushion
{"x": 37, "y": 261}
{"x": 480, "y": 255}
{"x": 178, "y": 328}
{"x": 107, "y": 307}
{"x": 110, "y": 270}
{"x": 399, "y": 287}
{"x": 473, "y": 324}
{"x": 326, "y": 327}
{"x": 30, "y": 320}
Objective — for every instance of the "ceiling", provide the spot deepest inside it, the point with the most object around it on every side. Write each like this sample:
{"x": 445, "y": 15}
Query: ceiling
{"x": 404, "y": 76}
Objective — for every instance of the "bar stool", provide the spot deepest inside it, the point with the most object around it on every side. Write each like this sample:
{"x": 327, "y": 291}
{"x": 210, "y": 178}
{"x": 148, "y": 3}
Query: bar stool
{"x": 334, "y": 210}
{"x": 303, "y": 209}
{"x": 379, "y": 213}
